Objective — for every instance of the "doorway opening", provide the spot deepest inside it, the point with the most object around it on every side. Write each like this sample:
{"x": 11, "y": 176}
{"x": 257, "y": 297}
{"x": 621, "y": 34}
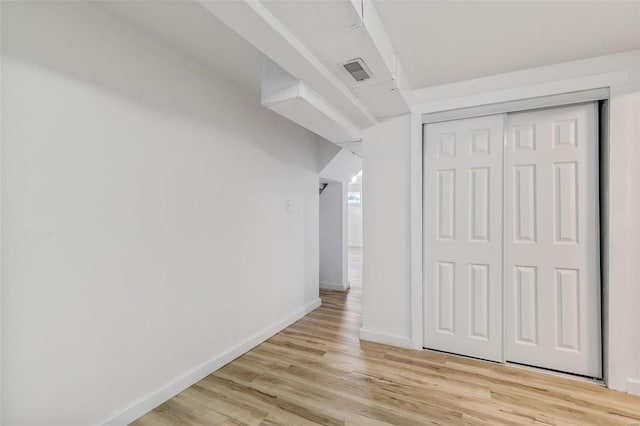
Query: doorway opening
{"x": 355, "y": 237}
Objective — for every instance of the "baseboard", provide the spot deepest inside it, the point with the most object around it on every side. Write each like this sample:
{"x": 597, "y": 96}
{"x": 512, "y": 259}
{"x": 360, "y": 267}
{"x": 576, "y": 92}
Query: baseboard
{"x": 151, "y": 401}
{"x": 387, "y": 339}
{"x": 333, "y": 286}
{"x": 633, "y": 386}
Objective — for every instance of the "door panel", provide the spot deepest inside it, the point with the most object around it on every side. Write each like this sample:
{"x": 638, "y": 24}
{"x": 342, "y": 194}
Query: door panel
{"x": 552, "y": 276}
{"x": 463, "y": 236}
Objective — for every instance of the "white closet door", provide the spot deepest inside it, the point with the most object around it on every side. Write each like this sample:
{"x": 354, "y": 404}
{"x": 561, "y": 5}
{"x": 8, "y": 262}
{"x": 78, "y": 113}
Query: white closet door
{"x": 552, "y": 275}
{"x": 463, "y": 236}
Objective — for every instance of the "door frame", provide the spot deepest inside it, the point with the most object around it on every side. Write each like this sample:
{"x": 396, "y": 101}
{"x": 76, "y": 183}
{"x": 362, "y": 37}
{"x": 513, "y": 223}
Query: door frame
{"x": 590, "y": 90}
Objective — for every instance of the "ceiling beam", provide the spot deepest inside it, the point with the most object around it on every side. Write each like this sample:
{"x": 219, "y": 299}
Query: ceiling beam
{"x": 252, "y": 21}
{"x": 389, "y": 95}
{"x": 338, "y": 32}
{"x": 378, "y": 34}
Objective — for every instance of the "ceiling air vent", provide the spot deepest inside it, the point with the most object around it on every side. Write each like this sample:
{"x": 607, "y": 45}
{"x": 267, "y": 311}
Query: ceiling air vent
{"x": 357, "y": 69}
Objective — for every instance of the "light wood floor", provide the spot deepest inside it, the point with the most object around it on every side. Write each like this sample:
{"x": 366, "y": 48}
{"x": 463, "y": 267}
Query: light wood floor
{"x": 318, "y": 372}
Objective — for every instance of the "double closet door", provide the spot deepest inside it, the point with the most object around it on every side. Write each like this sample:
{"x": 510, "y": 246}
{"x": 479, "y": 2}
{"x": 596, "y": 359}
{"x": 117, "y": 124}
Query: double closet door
{"x": 511, "y": 248}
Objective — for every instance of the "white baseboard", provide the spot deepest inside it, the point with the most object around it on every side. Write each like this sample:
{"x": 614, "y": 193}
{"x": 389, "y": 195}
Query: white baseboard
{"x": 151, "y": 401}
{"x": 387, "y": 339}
{"x": 334, "y": 286}
{"x": 633, "y": 386}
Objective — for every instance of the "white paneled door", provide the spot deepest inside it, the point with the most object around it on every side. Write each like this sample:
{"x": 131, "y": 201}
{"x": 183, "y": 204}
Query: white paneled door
{"x": 543, "y": 257}
{"x": 463, "y": 236}
{"x": 552, "y": 269}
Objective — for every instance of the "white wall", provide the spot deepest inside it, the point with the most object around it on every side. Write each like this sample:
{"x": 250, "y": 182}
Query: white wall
{"x": 392, "y": 292}
{"x": 355, "y": 218}
{"x": 333, "y": 234}
{"x": 386, "y": 317}
{"x": 146, "y": 239}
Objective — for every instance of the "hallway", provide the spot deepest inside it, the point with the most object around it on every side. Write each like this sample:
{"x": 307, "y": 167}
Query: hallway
{"x": 355, "y": 267}
{"x": 317, "y": 371}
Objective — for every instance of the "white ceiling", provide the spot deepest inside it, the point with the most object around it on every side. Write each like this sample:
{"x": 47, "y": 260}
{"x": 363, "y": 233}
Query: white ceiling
{"x": 188, "y": 27}
{"x": 446, "y": 41}
{"x": 436, "y": 41}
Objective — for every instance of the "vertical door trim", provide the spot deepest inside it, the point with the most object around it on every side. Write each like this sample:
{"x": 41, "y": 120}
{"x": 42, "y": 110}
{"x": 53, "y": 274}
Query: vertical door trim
{"x": 603, "y": 216}
{"x": 416, "y": 261}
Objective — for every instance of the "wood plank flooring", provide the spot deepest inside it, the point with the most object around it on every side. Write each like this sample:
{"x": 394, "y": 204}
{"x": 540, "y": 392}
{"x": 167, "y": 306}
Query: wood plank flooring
{"x": 318, "y": 372}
